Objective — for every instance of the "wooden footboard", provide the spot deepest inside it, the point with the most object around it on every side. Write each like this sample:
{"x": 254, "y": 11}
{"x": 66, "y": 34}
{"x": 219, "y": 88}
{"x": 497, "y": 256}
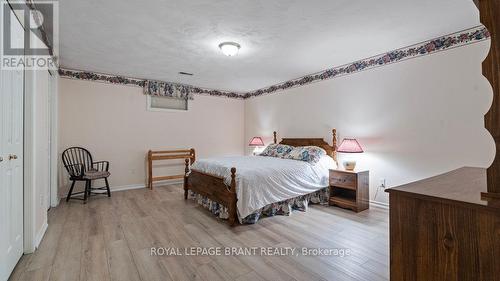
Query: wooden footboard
{"x": 214, "y": 188}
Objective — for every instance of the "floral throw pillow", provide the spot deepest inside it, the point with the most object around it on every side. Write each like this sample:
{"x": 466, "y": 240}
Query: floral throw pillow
{"x": 277, "y": 150}
{"x": 310, "y": 154}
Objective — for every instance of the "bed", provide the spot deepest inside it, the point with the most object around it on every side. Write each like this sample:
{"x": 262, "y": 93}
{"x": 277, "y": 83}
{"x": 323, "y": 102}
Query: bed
{"x": 244, "y": 184}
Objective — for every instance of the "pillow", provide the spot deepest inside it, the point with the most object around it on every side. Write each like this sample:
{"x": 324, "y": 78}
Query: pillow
{"x": 276, "y": 150}
{"x": 310, "y": 154}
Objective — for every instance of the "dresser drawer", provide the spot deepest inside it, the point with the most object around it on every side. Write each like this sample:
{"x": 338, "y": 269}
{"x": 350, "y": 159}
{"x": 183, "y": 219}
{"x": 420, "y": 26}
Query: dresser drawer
{"x": 343, "y": 179}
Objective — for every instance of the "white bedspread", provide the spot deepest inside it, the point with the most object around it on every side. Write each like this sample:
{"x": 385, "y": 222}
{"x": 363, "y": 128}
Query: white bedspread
{"x": 262, "y": 180}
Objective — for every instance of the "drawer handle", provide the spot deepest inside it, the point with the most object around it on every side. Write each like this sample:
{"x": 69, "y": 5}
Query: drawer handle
{"x": 340, "y": 179}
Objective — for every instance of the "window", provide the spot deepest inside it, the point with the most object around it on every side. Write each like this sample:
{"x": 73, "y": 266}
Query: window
{"x": 157, "y": 103}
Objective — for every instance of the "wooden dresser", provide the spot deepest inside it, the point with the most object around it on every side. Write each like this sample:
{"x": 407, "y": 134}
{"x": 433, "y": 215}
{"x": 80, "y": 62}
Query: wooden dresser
{"x": 440, "y": 229}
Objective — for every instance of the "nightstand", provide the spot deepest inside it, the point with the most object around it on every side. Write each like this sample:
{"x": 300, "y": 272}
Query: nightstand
{"x": 349, "y": 189}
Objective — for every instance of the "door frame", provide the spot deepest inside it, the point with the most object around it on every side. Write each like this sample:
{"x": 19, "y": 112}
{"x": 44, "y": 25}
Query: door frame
{"x": 30, "y": 201}
{"x": 53, "y": 137}
{"x": 31, "y": 238}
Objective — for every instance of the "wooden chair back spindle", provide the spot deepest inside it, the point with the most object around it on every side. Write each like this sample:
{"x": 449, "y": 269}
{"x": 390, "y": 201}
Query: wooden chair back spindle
{"x": 73, "y": 157}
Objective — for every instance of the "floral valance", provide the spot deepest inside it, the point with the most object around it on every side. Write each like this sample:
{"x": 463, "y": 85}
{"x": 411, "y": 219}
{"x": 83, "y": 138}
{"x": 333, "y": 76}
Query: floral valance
{"x": 164, "y": 89}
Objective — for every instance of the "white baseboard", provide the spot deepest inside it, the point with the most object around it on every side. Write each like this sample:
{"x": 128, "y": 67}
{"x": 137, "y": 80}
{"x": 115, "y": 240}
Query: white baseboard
{"x": 379, "y": 204}
{"x": 40, "y": 234}
{"x": 55, "y": 204}
{"x": 126, "y": 187}
{"x": 138, "y": 186}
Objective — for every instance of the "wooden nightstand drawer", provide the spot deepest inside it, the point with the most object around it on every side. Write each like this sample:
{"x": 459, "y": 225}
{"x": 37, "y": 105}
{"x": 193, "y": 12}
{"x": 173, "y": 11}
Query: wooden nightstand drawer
{"x": 343, "y": 179}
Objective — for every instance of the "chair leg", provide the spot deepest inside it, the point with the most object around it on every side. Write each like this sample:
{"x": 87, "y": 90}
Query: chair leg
{"x": 87, "y": 186}
{"x": 90, "y": 188}
{"x": 70, "y": 191}
{"x": 107, "y": 186}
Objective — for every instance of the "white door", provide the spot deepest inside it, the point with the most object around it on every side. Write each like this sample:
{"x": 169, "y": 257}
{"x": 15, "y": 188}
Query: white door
{"x": 11, "y": 166}
{"x": 42, "y": 134}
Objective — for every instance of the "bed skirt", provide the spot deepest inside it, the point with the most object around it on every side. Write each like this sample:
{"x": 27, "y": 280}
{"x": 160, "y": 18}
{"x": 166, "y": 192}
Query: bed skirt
{"x": 283, "y": 208}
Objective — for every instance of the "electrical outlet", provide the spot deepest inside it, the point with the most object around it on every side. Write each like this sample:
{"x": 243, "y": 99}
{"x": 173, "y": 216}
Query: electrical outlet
{"x": 382, "y": 183}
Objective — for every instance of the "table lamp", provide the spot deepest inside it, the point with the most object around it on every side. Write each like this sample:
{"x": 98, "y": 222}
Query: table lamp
{"x": 256, "y": 142}
{"x": 349, "y": 146}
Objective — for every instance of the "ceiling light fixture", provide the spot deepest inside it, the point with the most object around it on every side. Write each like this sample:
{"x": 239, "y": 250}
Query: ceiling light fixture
{"x": 229, "y": 49}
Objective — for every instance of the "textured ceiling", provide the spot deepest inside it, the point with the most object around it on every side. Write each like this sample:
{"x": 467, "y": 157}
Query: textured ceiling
{"x": 280, "y": 40}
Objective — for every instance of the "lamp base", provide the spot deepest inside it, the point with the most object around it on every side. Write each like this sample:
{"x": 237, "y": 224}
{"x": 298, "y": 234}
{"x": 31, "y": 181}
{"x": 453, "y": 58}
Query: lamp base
{"x": 349, "y": 165}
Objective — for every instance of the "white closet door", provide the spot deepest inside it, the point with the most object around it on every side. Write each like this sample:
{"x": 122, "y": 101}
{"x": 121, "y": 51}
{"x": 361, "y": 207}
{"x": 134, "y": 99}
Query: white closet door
{"x": 42, "y": 134}
{"x": 11, "y": 166}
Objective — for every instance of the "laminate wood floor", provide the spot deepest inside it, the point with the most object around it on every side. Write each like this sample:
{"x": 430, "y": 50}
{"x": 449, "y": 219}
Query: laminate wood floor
{"x": 111, "y": 239}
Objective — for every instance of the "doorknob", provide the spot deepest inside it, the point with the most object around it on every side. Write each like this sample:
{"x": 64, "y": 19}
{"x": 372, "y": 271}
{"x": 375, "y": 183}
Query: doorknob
{"x": 12, "y": 157}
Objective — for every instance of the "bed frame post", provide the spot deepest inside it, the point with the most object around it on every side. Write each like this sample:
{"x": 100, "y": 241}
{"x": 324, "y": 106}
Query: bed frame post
{"x": 232, "y": 204}
{"x": 334, "y": 145}
{"x": 275, "y": 139}
{"x": 193, "y": 156}
{"x": 186, "y": 173}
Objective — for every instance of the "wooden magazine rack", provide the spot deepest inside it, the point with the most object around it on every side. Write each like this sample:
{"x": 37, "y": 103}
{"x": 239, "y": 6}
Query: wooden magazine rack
{"x": 187, "y": 154}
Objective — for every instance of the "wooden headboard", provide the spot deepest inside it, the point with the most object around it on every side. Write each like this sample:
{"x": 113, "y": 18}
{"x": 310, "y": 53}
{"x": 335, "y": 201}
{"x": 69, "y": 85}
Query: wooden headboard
{"x": 331, "y": 150}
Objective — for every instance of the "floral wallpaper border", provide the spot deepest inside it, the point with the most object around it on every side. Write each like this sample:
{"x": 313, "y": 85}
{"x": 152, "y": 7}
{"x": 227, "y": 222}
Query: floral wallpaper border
{"x": 475, "y": 34}
{"x": 151, "y": 87}
{"x": 100, "y": 77}
{"x": 462, "y": 38}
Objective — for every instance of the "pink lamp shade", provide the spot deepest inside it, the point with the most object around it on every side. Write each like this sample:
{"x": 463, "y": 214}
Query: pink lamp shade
{"x": 350, "y": 146}
{"x": 256, "y": 141}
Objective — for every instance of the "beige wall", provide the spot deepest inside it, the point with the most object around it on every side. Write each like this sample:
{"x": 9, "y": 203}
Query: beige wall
{"x": 415, "y": 119}
{"x": 113, "y": 123}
